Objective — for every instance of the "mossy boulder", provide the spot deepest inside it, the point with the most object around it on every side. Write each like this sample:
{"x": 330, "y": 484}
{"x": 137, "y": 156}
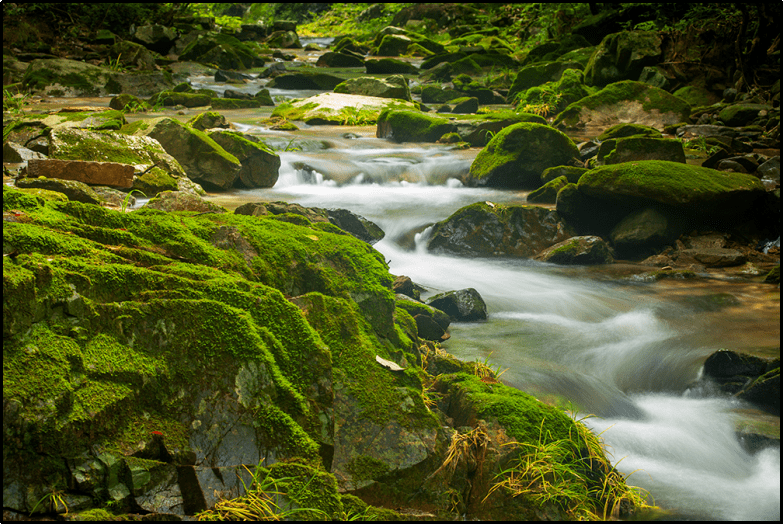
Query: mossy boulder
{"x": 305, "y": 80}
{"x": 538, "y": 74}
{"x": 178, "y": 98}
{"x": 623, "y": 129}
{"x": 204, "y": 161}
{"x": 283, "y": 39}
{"x": 386, "y": 66}
{"x": 553, "y": 97}
{"x": 487, "y": 229}
{"x": 547, "y": 194}
{"x": 643, "y": 230}
{"x": 581, "y": 250}
{"x": 395, "y": 86}
{"x": 518, "y": 154}
{"x": 461, "y": 305}
{"x": 626, "y": 101}
{"x": 208, "y": 120}
{"x": 622, "y": 56}
{"x": 221, "y": 50}
{"x": 684, "y": 194}
{"x": 571, "y": 173}
{"x": 741, "y": 114}
{"x": 627, "y": 149}
{"x": 331, "y": 59}
{"x": 411, "y": 126}
{"x": 63, "y": 77}
{"x": 260, "y": 166}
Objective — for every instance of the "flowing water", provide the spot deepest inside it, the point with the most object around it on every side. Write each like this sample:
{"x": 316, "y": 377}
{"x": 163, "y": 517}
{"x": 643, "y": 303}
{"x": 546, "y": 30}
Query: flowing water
{"x": 623, "y": 349}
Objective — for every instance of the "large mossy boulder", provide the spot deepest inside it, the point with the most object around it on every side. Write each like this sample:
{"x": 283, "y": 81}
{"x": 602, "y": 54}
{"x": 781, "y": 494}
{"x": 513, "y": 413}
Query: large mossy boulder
{"x": 623, "y": 56}
{"x": 518, "y": 154}
{"x": 411, "y": 126}
{"x": 394, "y": 86}
{"x": 547, "y": 194}
{"x": 553, "y": 97}
{"x": 486, "y": 229}
{"x": 390, "y": 66}
{"x": 684, "y": 195}
{"x": 203, "y": 160}
{"x": 626, "y": 101}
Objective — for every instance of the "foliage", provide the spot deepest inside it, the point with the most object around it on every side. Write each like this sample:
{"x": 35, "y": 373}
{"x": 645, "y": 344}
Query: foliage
{"x": 343, "y": 19}
{"x": 261, "y": 501}
{"x": 571, "y": 473}
{"x": 52, "y": 502}
{"x": 14, "y": 104}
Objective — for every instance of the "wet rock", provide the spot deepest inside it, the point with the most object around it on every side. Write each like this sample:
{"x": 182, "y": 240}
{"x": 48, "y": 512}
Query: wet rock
{"x": 714, "y": 257}
{"x": 487, "y": 229}
{"x": 623, "y": 130}
{"x": 578, "y": 250}
{"x": 287, "y": 39}
{"x": 508, "y": 162}
{"x": 470, "y": 105}
{"x": 356, "y": 225}
{"x": 538, "y": 74}
{"x": 748, "y": 377}
{"x": 156, "y": 37}
{"x": 461, "y": 305}
{"x": 571, "y": 173}
{"x": 97, "y": 173}
{"x": 642, "y": 230}
{"x": 404, "y": 285}
{"x": 223, "y": 75}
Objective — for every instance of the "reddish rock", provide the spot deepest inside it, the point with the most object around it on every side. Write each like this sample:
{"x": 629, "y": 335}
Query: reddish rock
{"x": 88, "y": 172}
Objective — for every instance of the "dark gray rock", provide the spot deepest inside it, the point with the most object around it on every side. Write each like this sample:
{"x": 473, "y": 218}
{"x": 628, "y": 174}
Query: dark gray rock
{"x": 462, "y": 305}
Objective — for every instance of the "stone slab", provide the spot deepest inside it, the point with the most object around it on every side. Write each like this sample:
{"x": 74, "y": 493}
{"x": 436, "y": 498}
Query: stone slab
{"x": 89, "y": 172}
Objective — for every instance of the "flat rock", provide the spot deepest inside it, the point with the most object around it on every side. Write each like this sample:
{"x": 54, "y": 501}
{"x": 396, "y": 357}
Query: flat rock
{"x": 88, "y": 172}
{"x": 335, "y": 108}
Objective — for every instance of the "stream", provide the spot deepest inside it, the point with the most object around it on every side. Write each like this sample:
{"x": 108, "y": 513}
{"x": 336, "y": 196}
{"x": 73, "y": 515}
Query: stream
{"x": 620, "y": 348}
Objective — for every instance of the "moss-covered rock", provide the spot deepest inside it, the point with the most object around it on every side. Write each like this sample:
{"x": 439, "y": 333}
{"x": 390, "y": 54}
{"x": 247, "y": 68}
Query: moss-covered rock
{"x": 623, "y": 129}
{"x": 553, "y": 97}
{"x": 386, "y": 66}
{"x": 339, "y": 108}
{"x": 578, "y": 250}
{"x": 626, "y": 101}
{"x": 224, "y": 51}
{"x": 622, "y": 56}
{"x": 208, "y": 120}
{"x": 411, "y": 126}
{"x": 395, "y": 86}
{"x": 547, "y": 194}
{"x": 178, "y": 98}
{"x": 518, "y": 154}
{"x": 538, "y": 74}
{"x": 204, "y": 161}
{"x": 305, "y": 80}
{"x": 627, "y": 149}
{"x": 571, "y": 173}
{"x": 690, "y": 188}
{"x": 260, "y": 166}
{"x": 487, "y": 229}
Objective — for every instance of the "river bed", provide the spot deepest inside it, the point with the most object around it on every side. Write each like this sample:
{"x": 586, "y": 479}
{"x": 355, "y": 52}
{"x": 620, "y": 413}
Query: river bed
{"x": 621, "y": 348}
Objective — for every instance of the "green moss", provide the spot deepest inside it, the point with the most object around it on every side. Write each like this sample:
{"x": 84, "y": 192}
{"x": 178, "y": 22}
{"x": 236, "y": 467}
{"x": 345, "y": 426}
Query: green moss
{"x": 364, "y": 468}
{"x": 414, "y": 126}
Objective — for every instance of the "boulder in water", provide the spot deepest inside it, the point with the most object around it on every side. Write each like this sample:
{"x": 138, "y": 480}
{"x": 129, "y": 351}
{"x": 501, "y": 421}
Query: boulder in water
{"x": 518, "y": 154}
{"x": 461, "y": 305}
{"x": 260, "y": 166}
{"x": 340, "y": 108}
{"x": 488, "y": 229}
{"x": 394, "y": 86}
{"x": 578, "y": 250}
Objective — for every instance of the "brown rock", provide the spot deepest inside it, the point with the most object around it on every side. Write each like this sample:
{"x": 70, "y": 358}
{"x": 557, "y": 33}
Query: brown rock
{"x": 88, "y": 172}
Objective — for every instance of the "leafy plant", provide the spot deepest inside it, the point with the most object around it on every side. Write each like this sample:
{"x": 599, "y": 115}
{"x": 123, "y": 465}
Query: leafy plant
{"x": 484, "y": 370}
{"x": 127, "y": 198}
{"x": 14, "y": 104}
{"x": 52, "y": 501}
{"x": 116, "y": 65}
